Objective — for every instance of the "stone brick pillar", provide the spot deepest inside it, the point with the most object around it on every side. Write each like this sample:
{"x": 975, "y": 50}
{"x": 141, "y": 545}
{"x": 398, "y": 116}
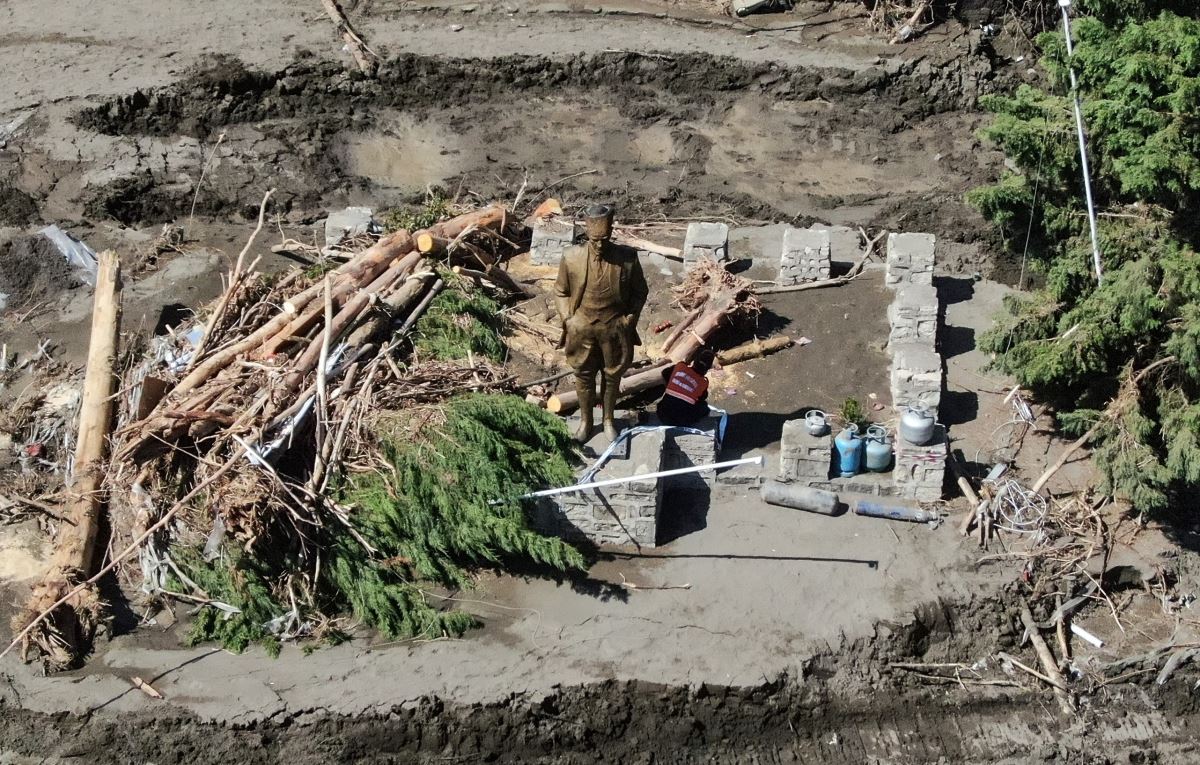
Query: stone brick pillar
{"x": 805, "y": 258}
{"x": 916, "y": 376}
{"x": 920, "y": 470}
{"x": 913, "y": 315}
{"x": 705, "y": 240}
{"x": 804, "y": 458}
{"x": 622, "y": 514}
{"x": 910, "y": 259}
{"x": 549, "y": 240}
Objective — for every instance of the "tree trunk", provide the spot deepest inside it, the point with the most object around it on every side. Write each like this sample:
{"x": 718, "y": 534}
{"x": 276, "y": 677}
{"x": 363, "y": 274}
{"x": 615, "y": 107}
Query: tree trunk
{"x": 639, "y": 381}
{"x": 700, "y": 332}
{"x": 76, "y": 550}
{"x": 565, "y": 403}
{"x": 754, "y": 349}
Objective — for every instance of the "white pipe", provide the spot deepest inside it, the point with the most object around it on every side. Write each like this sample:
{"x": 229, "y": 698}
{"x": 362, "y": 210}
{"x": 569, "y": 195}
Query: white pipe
{"x": 1065, "y": 5}
{"x": 1081, "y": 632}
{"x": 644, "y": 476}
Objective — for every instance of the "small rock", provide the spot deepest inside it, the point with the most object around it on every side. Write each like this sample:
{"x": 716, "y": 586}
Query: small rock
{"x": 456, "y": 27}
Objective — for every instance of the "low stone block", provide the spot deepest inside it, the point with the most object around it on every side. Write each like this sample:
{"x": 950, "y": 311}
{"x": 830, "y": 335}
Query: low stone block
{"x": 803, "y": 457}
{"x": 921, "y": 470}
{"x": 805, "y": 258}
{"x": 705, "y": 240}
{"x": 346, "y": 224}
{"x": 683, "y": 448}
{"x": 910, "y": 259}
{"x": 550, "y": 238}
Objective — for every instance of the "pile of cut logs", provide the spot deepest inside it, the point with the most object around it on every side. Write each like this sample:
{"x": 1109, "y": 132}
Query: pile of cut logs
{"x": 234, "y": 426}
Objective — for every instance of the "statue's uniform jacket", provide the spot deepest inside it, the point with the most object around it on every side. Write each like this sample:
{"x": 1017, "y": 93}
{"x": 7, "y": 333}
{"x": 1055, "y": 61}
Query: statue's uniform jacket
{"x": 600, "y": 292}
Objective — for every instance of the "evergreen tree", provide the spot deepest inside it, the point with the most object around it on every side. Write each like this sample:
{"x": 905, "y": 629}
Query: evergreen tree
{"x": 1119, "y": 360}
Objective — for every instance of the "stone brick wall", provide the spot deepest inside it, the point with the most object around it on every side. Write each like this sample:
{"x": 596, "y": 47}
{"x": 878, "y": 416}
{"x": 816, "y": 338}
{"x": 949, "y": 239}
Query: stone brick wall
{"x": 916, "y": 376}
{"x": 910, "y": 259}
{"x": 549, "y": 240}
{"x": 920, "y": 470}
{"x": 913, "y": 315}
{"x": 806, "y": 256}
{"x": 705, "y": 240}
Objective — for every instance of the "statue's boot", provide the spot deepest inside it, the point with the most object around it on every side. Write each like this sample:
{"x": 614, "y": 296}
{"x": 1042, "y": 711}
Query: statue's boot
{"x": 585, "y": 388}
{"x": 612, "y": 391}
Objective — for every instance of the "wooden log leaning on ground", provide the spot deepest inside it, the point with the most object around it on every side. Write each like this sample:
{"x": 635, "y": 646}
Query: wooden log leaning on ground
{"x": 647, "y": 379}
{"x": 368, "y": 62}
{"x": 68, "y": 629}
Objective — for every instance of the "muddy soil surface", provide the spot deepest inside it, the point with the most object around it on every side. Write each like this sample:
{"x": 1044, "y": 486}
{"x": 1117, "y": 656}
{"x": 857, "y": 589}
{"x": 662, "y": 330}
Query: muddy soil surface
{"x": 34, "y": 271}
{"x": 891, "y": 144}
{"x": 846, "y": 706}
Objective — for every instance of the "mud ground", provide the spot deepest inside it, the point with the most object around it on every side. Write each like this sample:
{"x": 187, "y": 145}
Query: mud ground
{"x": 174, "y": 112}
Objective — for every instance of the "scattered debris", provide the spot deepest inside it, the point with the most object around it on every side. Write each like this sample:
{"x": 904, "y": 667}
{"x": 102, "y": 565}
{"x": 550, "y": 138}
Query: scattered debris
{"x": 344, "y": 228}
{"x": 743, "y": 8}
{"x": 145, "y": 687}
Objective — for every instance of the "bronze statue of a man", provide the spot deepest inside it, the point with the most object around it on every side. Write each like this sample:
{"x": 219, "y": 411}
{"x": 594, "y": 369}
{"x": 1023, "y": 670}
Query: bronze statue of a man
{"x": 599, "y": 293}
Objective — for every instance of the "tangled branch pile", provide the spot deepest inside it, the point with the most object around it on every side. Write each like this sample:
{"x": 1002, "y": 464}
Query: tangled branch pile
{"x": 261, "y": 471}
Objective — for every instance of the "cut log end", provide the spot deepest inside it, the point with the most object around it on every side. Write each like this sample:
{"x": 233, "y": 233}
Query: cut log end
{"x": 426, "y": 243}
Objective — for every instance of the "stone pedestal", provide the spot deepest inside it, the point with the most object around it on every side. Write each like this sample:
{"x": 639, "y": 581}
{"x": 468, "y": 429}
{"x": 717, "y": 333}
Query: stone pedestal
{"x": 804, "y": 458}
{"x": 913, "y": 315}
{"x": 682, "y": 449}
{"x": 920, "y": 470}
{"x": 705, "y": 240}
{"x": 910, "y": 259}
{"x": 623, "y": 514}
{"x": 805, "y": 258}
{"x": 916, "y": 376}
{"x": 549, "y": 240}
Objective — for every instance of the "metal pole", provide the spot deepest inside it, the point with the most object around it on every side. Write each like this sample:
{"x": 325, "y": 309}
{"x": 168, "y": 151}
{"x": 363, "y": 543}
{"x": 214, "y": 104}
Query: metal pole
{"x": 644, "y": 476}
{"x": 1065, "y": 5}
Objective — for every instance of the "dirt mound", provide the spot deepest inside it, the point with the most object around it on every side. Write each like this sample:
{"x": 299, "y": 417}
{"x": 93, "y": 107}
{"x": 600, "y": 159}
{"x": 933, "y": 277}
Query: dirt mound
{"x": 647, "y": 88}
{"x": 17, "y": 208}
{"x": 32, "y": 270}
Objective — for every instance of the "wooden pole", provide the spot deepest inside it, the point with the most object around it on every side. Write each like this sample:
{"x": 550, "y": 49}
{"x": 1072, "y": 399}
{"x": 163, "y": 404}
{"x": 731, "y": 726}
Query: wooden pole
{"x": 96, "y": 408}
{"x": 76, "y": 551}
{"x": 1046, "y": 658}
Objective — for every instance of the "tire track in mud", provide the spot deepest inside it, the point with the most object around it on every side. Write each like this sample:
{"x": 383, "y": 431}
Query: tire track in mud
{"x": 636, "y": 722}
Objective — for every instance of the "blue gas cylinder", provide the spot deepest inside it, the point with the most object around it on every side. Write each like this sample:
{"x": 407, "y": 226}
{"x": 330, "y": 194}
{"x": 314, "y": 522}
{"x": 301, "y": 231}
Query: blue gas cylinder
{"x": 878, "y": 449}
{"x": 849, "y": 450}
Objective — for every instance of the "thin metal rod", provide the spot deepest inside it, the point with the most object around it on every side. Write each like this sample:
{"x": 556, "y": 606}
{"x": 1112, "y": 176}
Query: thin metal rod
{"x": 1065, "y": 6}
{"x": 644, "y": 476}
